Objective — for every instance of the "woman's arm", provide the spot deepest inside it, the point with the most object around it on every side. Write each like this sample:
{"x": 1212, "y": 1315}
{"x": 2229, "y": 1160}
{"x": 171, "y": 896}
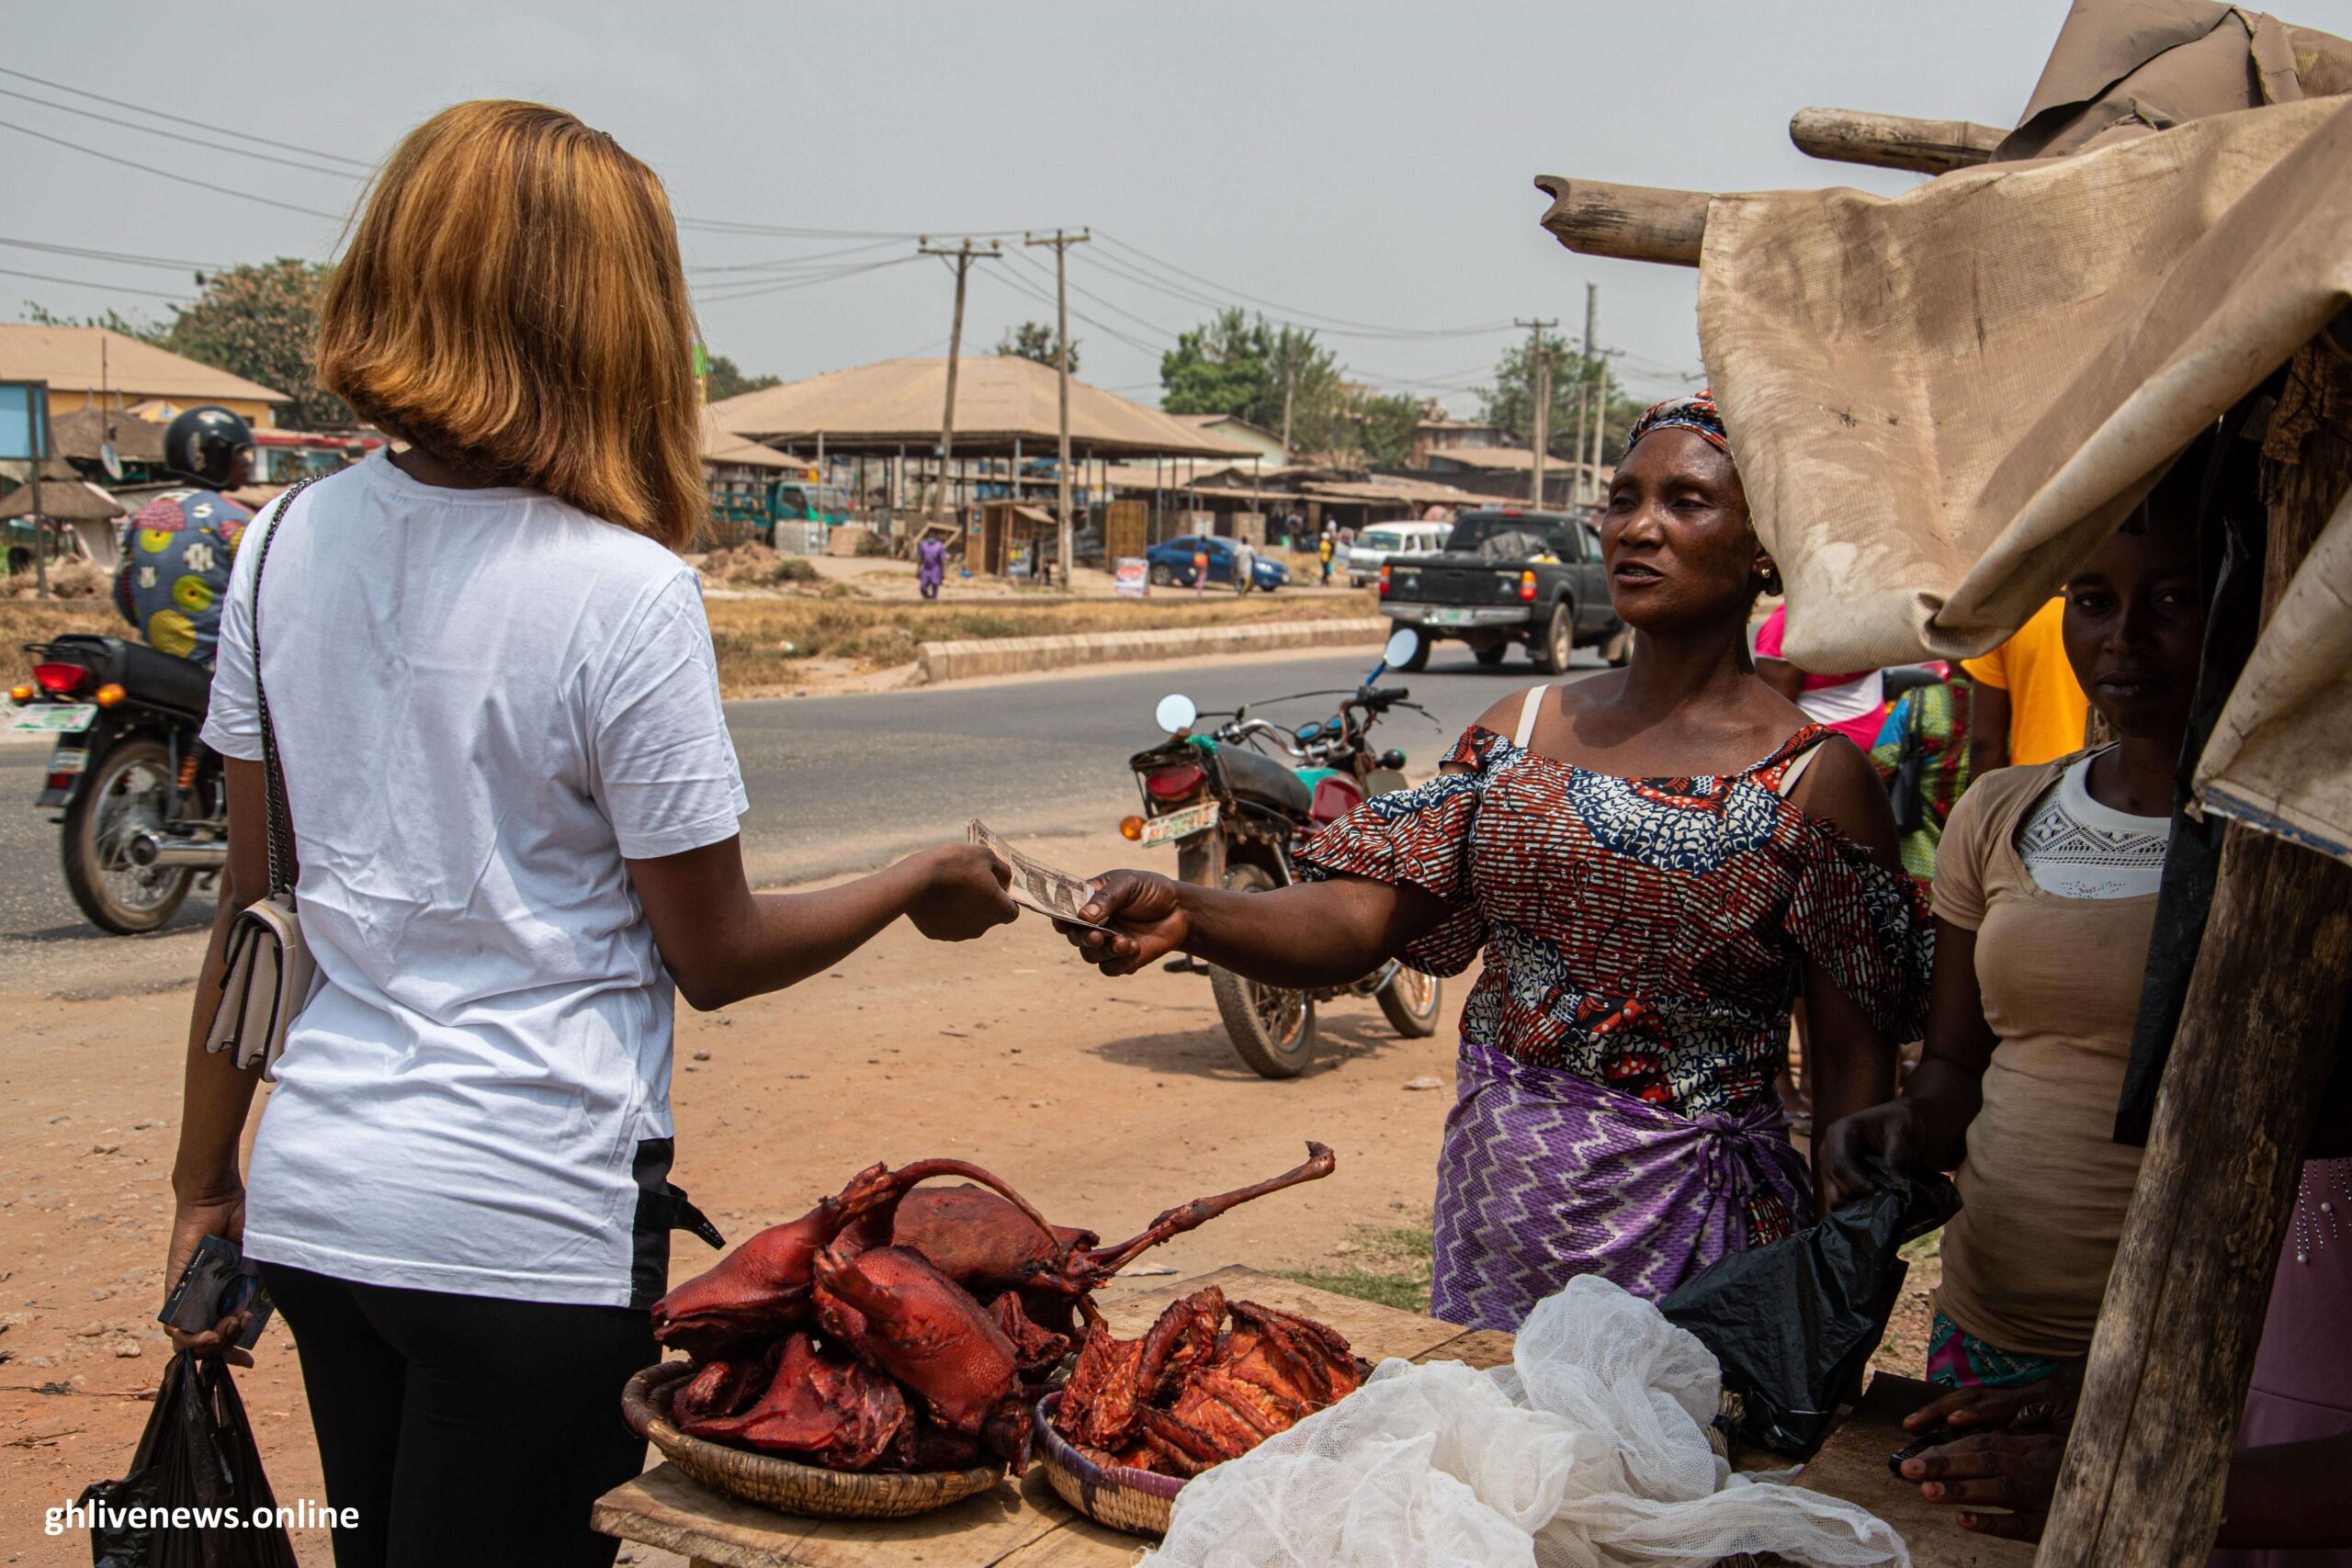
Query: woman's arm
{"x": 1316, "y": 934}
{"x": 722, "y": 941}
{"x": 1988, "y": 730}
{"x": 1929, "y": 1126}
{"x": 208, "y": 1192}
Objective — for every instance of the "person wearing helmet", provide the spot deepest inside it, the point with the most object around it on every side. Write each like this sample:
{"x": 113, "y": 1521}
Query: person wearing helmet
{"x": 178, "y": 549}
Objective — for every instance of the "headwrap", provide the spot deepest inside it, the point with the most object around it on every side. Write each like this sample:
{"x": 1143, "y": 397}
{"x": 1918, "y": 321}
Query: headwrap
{"x": 1696, "y": 411}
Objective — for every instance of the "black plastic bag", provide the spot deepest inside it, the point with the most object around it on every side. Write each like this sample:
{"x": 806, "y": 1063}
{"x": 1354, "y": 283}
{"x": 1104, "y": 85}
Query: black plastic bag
{"x": 196, "y": 1453}
{"x": 1794, "y": 1321}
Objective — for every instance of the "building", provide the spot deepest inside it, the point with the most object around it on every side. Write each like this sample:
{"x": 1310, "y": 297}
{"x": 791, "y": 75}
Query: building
{"x": 1505, "y": 472}
{"x": 1233, "y": 427}
{"x": 90, "y": 367}
{"x": 1436, "y": 432}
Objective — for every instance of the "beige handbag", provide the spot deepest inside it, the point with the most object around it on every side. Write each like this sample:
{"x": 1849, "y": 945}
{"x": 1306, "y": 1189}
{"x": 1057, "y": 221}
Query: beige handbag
{"x": 268, "y": 972}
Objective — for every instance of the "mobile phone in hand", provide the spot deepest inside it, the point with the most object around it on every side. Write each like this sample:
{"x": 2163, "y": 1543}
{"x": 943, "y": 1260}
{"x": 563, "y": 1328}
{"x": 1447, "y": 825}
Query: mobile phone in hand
{"x": 217, "y": 1283}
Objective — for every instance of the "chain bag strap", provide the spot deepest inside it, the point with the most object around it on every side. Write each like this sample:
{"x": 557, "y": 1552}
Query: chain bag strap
{"x": 267, "y": 968}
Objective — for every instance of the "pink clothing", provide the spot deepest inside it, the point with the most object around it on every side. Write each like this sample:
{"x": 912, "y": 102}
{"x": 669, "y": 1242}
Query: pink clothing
{"x": 1854, "y": 703}
{"x": 2302, "y": 1374}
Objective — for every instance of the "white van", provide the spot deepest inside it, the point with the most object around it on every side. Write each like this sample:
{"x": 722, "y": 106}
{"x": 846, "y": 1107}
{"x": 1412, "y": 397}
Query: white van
{"x": 1383, "y": 542}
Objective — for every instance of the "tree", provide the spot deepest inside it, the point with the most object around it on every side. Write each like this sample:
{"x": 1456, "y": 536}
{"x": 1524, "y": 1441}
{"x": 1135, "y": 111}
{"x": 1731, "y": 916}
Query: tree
{"x": 145, "y": 332}
{"x": 1386, "y": 424}
{"x": 1511, "y": 401}
{"x": 262, "y": 323}
{"x": 1240, "y": 366}
{"x": 721, "y": 379}
{"x": 1035, "y": 340}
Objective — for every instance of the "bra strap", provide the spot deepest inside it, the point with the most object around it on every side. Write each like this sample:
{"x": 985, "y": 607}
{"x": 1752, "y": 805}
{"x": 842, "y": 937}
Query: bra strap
{"x": 1530, "y": 709}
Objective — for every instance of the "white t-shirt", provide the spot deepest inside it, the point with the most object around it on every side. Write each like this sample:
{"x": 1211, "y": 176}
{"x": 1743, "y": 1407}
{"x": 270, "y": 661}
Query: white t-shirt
{"x": 483, "y": 700}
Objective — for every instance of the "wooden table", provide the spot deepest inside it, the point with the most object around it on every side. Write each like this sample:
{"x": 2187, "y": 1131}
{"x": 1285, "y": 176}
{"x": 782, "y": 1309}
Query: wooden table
{"x": 1026, "y": 1526}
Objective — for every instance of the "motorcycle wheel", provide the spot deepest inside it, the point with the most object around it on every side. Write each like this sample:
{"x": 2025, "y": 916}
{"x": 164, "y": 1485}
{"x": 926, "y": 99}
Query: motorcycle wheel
{"x": 1273, "y": 1029}
{"x": 1411, "y": 1001}
{"x": 129, "y": 789}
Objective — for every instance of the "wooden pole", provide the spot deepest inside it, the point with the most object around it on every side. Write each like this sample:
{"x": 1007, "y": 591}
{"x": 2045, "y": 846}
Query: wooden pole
{"x": 1635, "y": 222}
{"x": 963, "y": 255}
{"x": 1061, "y": 243}
{"x": 1539, "y": 366}
{"x": 2141, "y": 1482}
{"x": 1893, "y": 140}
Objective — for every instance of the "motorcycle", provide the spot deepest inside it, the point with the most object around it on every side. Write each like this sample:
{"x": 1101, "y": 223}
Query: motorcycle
{"x": 142, "y": 806}
{"x": 1238, "y": 817}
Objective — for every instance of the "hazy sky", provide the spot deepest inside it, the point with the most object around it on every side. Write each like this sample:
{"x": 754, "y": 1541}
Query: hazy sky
{"x": 1368, "y": 162}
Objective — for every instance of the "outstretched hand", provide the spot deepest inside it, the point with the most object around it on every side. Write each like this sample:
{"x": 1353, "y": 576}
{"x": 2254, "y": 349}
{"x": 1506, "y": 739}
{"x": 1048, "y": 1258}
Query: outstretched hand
{"x": 2027, "y": 1408}
{"x": 964, "y": 892}
{"x": 1150, "y": 924}
{"x": 1996, "y": 1470}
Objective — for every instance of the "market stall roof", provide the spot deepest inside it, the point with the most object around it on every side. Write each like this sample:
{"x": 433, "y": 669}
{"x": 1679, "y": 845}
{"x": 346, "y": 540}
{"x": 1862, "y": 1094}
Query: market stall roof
{"x": 71, "y": 501}
{"x": 82, "y": 432}
{"x": 722, "y": 446}
{"x": 79, "y": 359}
{"x": 874, "y": 409}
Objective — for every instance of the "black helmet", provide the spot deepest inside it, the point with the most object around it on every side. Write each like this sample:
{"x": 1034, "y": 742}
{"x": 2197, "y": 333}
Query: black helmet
{"x": 204, "y": 442}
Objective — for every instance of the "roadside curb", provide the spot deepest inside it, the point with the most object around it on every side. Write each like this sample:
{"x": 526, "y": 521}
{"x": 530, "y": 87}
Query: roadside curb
{"x": 1019, "y": 655}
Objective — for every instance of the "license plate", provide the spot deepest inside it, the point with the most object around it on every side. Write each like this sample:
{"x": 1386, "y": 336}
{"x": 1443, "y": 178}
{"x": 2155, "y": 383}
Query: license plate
{"x": 55, "y": 718}
{"x": 1451, "y": 617}
{"x": 1179, "y": 824}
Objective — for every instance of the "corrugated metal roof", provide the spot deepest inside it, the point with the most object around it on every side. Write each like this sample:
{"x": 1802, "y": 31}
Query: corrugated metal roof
{"x": 999, "y": 398}
{"x": 69, "y": 359}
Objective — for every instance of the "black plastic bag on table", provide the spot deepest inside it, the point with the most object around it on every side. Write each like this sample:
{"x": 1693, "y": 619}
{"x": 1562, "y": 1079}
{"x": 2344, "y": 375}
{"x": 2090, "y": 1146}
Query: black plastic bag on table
{"x": 1794, "y": 1321}
{"x": 198, "y": 1453}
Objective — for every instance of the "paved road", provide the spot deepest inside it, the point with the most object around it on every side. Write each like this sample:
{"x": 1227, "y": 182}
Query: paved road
{"x": 837, "y": 784}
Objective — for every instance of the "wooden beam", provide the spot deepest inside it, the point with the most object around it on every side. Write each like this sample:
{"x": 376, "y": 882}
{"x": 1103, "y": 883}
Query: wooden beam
{"x": 1635, "y": 222}
{"x": 2141, "y": 1482}
{"x": 1893, "y": 140}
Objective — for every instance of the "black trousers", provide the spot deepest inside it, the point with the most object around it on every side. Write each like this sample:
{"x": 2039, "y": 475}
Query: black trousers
{"x": 465, "y": 1429}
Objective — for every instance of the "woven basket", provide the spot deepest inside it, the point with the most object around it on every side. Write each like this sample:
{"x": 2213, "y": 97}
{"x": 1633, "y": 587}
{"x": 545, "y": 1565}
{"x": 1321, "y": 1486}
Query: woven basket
{"x": 780, "y": 1483}
{"x": 1136, "y": 1501}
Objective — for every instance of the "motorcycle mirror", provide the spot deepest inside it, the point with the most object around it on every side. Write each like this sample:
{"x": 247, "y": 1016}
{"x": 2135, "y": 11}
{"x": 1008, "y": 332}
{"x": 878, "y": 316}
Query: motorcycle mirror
{"x": 1400, "y": 646}
{"x": 1176, "y": 713}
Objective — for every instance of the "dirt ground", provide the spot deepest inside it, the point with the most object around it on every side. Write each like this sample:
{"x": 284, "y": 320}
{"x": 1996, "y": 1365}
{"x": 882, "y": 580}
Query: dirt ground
{"x": 1104, "y": 1101}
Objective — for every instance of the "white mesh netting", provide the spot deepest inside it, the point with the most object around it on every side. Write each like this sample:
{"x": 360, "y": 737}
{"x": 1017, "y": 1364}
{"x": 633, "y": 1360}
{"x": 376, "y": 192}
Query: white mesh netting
{"x": 1589, "y": 1449}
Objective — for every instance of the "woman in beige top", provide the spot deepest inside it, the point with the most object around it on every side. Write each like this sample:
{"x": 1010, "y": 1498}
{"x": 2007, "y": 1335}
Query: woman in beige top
{"x": 2044, "y": 899}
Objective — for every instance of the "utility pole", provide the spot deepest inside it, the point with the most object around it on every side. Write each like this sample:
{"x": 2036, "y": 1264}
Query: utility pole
{"x": 1587, "y": 486}
{"x": 963, "y": 255}
{"x": 1599, "y": 414}
{"x": 1290, "y": 389}
{"x": 1539, "y": 366}
{"x": 1061, "y": 242}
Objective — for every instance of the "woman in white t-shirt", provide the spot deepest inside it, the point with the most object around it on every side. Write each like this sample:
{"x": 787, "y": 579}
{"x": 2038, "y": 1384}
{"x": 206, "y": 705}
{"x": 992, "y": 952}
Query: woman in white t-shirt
{"x": 515, "y": 804}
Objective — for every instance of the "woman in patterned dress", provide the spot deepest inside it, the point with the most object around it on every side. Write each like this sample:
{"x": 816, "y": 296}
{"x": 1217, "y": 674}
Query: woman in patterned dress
{"x": 1654, "y": 863}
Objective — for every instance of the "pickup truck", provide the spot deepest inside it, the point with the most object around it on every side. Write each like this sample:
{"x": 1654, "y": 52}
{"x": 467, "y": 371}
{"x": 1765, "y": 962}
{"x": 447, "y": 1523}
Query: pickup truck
{"x": 1507, "y": 576}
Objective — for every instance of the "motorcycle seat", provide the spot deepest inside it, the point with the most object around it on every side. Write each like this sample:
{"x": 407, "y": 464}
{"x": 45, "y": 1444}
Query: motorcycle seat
{"x": 1264, "y": 780}
{"x": 147, "y": 675}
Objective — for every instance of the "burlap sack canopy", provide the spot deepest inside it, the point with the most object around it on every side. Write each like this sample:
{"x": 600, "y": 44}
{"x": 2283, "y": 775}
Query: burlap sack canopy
{"x": 1942, "y": 402}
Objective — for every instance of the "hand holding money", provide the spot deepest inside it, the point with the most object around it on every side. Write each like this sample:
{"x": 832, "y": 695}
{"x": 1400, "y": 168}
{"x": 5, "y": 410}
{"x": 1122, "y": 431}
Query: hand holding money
{"x": 1056, "y": 895}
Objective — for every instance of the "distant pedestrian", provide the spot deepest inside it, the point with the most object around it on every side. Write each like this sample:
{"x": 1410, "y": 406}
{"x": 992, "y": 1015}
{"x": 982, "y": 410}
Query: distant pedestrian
{"x": 1200, "y": 570}
{"x": 931, "y": 564}
{"x": 1323, "y": 554}
{"x": 1245, "y": 565}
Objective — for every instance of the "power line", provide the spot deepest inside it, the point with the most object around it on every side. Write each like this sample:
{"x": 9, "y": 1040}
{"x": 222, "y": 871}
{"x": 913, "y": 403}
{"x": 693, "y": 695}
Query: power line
{"x": 1371, "y": 329}
{"x": 179, "y": 119}
{"x": 753, "y": 291}
{"x": 124, "y": 257}
{"x": 781, "y": 263}
{"x": 181, "y": 136}
{"x": 166, "y": 174}
{"x": 85, "y": 283}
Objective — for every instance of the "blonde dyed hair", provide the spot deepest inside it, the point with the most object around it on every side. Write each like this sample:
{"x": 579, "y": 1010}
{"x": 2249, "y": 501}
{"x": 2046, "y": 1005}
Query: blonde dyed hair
{"x": 512, "y": 302}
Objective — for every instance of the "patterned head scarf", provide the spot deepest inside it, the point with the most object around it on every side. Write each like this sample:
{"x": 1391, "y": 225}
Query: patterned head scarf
{"x": 1696, "y": 411}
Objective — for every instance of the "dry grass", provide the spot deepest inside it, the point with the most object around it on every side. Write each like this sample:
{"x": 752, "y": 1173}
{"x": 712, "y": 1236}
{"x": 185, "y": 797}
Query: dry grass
{"x": 761, "y": 640}
{"x": 67, "y": 579}
{"x": 1379, "y": 1263}
{"x": 29, "y": 620}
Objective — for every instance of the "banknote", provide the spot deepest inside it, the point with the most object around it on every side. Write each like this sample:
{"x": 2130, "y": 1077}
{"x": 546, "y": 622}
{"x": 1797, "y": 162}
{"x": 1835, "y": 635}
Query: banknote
{"x": 1055, "y": 894}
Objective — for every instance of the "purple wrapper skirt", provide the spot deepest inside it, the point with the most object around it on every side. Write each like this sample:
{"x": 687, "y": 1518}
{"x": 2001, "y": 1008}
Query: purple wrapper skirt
{"x": 1545, "y": 1175}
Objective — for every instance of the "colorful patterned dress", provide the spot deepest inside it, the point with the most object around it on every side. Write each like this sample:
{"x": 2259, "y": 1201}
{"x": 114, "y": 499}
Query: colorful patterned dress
{"x": 1644, "y": 940}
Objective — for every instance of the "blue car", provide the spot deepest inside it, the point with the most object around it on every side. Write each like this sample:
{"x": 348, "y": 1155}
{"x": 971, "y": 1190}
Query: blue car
{"x": 1171, "y": 564}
